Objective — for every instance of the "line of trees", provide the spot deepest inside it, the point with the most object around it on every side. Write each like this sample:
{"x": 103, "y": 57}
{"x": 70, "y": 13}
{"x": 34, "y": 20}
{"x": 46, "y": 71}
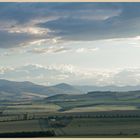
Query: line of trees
{"x": 28, "y": 116}
{"x": 49, "y": 133}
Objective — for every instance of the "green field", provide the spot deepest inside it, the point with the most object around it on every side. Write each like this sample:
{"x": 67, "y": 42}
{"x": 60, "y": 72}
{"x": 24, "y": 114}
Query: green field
{"x": 20, "y": 126}
{"x": 35, "y": 108}
{"x": 102, "y": 108}
{"x": 123, "y": 104}
{"x": 100, "y": 126}
{"x": 90, "y": 127}
{"x": 73, "y": 117}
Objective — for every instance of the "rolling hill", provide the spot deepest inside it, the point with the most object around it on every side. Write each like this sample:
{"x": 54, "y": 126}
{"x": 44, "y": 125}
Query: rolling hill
{"x": 96, "y": 98}
{"x": 12, "y": 90}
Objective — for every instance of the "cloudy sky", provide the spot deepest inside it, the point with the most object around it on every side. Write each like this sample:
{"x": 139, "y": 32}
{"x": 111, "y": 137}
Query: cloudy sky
{"x": 76, "y": 43}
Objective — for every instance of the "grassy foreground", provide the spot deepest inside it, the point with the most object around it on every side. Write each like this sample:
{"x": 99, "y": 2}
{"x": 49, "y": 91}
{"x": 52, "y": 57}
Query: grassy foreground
{"x": 75, "y": 127}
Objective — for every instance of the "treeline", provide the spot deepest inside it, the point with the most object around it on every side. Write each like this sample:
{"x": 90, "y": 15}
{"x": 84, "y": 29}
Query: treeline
{"x": 27, "y": 134}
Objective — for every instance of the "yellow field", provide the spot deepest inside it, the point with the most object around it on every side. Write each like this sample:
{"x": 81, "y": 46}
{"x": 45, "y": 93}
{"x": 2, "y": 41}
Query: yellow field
{"x": 102, "y": 108}
{"x": 31, "y": 109}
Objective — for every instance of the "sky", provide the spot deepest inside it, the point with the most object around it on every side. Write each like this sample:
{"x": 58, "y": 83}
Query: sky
{"x": 75, "y": 43}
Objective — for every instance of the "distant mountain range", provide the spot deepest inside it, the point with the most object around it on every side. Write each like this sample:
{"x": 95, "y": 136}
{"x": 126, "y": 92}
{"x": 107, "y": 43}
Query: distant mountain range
{"x": 27, "y": 90}
{"x": 87, "y": 88}
{"x": 12, "y": 90}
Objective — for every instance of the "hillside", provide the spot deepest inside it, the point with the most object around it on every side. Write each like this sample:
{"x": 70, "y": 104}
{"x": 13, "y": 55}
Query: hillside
{"x": 96, "y": 98}
{"x": 28, "y": 90}
{"x": 13, "y": 90}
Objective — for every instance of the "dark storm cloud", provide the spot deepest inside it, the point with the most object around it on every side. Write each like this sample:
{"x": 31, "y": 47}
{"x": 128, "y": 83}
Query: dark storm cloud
{"x": 22, "y": 12}
{"x": 10, "y": 40}
{"x": 122, "y": 21}
{"x": 21, "y": 23}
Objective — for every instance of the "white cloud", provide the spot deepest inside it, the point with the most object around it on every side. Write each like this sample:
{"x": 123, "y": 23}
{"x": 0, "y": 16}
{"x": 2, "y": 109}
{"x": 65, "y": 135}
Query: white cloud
{"x": 26, "y": 34}
{"x": 29, "y": 30}
{"x": 49, "y": 50}
{"x": 85, "y": 50}
{"x": 3, "y": 70}
{"x": 30, "y": 27}
{"x": 131, "y": 40}
{"x": 5, "y": 54}
{"x": 60, "y": 49}
{"x": 54, "y": 74}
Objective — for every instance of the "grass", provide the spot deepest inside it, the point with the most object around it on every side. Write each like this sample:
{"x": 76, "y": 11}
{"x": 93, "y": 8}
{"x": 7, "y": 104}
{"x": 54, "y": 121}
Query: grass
{"x": 20, "y": 126}
{"x": 90, "y": 127}
{"x": 68, "y": 105}
{"x": 102, "y": 108}
{"x": 104, "y": 126}
{"x": 30, "y": 108}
